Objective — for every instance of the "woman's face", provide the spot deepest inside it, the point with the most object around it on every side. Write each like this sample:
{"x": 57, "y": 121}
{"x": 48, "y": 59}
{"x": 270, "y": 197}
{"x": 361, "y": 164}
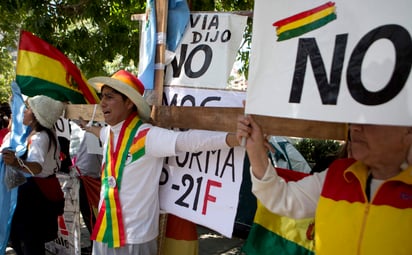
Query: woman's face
{"x": 379, "y": 144}
{"x": 114, "y": 107}
{"x": 28, "y": 116}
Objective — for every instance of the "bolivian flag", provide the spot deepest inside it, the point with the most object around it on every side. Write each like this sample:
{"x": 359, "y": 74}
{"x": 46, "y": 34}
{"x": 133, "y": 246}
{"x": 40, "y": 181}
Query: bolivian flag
{"x": 181, "y": 237}
{"x": 274, "y": 234}
{"x": 44, "y": 70}
{"x": 306, "y": 21}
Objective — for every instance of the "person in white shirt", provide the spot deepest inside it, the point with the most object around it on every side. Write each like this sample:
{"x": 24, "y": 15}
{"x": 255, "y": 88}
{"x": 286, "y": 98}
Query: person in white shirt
{"x": 40, "y": 199}
{"x": 133, "y": 154}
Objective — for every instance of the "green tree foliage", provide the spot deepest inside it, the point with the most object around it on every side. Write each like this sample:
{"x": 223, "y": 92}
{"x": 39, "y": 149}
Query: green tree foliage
{"x": 319, "y": 153}
{"x": 97, "y": 35}
{"x": 6, "y": 74}
{"x": 246, "y": 7}
{"x": 89, "y": 32}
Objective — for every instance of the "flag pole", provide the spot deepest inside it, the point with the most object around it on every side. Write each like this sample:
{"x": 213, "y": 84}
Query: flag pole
{"x": 161, "y": 7}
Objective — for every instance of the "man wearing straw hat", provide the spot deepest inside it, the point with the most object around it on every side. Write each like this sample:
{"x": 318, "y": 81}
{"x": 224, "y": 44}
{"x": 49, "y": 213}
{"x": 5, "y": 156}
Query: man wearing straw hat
{"x": 133, "y": 153}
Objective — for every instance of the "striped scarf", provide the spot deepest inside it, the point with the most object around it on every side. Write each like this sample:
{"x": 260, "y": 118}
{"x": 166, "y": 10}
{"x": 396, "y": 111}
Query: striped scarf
{"x": 109, "y": 223}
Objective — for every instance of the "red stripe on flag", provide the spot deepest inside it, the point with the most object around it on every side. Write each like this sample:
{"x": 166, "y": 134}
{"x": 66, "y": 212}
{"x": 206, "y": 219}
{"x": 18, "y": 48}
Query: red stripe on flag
{"x": 30, "y": 42}
{"x": 180, "y": 229}
{"x": 302, "y": 15}
{"x": 140, "y": 135}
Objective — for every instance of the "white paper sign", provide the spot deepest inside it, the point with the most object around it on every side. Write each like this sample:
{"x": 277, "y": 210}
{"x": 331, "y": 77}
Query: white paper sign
{"x": 203, "y": 187}
{"x": 62, "y": 126}
{"x": 179, "y": 96}
{"x": 341, "y": 61}
{"x": 207, "y": 51}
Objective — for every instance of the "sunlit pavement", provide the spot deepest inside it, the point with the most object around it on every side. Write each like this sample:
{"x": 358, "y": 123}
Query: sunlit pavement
{"x": 212, "y": 243}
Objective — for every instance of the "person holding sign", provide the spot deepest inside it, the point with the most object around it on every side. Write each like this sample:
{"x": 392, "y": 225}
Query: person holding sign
{"x": 133, "y": 154}
{"x": 361, "y": 205}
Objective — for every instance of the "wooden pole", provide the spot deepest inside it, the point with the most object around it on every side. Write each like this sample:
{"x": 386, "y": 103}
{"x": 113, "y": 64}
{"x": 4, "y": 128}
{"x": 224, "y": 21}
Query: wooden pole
{"x": 156, "y": 98}
{"x": 225, "y": 119}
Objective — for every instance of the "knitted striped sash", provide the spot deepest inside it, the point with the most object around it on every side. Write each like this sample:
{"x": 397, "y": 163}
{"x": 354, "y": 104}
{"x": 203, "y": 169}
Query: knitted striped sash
{"x": 109, "y": 223}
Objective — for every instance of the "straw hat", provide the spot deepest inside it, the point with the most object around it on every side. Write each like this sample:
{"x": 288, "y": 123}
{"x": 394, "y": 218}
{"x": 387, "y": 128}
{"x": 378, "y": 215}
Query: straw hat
{"x": 127, "y": 84}
{"x": 46, "y": 110}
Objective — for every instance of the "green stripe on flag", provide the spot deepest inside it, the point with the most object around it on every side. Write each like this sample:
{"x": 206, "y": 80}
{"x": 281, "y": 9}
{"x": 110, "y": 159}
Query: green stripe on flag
{"x": 275, "y": 234}
{"x": 38, "y": 59}
{"x": 264, "y": 242}
{"x": 138, "y": 154}
{"x": 306, "y": 28}
{"x": 31, "y": 86}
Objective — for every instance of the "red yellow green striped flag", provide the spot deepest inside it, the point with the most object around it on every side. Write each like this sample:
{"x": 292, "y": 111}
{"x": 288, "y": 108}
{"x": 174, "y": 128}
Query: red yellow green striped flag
{"x": 181, "y": 237}
{"x": 274, "y": 234}
{"x": 44, "y": 70}
{"x": 304, "y": 22}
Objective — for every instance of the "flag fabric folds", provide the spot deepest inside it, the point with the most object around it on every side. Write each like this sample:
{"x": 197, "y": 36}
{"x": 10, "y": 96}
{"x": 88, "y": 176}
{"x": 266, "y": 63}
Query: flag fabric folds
{"x": 275, "y": 234}
{"x": 44, "y": 70}
{"x": 92, "y": 187}
{"x": 181, "y": 237}
{"x": 306, "y": 21}
{"x": 19, "y": 134}
{"x": 148, "y": 47}
{"x": 178, "y": 18}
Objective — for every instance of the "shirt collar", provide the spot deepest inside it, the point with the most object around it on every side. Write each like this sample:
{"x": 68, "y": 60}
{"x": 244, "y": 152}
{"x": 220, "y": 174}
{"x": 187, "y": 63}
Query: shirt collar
{"x": 360, "y": 171}
{"x": 116, "y": 128}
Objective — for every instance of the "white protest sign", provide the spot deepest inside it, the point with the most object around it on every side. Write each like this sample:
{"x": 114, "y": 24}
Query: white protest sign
{"x": 207, "y": 50}
{"x": 179, "y": 96}
{"x": 341, "y": 61}
{"x": 203, "y": 187}
{"x": 62, "y": 126}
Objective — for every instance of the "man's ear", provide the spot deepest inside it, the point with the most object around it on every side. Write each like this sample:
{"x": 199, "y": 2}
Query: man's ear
{"x": 129, "y": 104}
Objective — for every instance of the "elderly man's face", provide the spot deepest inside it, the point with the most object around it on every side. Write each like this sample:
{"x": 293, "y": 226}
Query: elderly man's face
{"x": 114, "y": 107}
{"x": 379, "y": 144}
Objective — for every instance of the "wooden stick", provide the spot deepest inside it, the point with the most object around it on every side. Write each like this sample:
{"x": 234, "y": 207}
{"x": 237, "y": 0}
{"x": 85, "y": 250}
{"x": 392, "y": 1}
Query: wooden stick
{"x": 161, "y": 27}
{"x": 155, "y": 96}
{"x": 225, "y": 119}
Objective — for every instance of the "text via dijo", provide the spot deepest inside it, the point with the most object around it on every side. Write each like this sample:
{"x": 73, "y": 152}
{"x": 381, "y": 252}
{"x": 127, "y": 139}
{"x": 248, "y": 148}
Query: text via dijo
{"x": 205, "y": 31}
{"x": 208, "y": 29}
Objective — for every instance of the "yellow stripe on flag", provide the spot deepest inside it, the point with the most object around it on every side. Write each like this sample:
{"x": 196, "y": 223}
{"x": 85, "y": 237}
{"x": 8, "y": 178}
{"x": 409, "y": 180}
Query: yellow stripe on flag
{"x": 53, "y": 72}
{"x": 137, "y": 146}
{"x": 181, "y": 247}
{"x": 305, "y": 21}
{"x": 292, "y": 229}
